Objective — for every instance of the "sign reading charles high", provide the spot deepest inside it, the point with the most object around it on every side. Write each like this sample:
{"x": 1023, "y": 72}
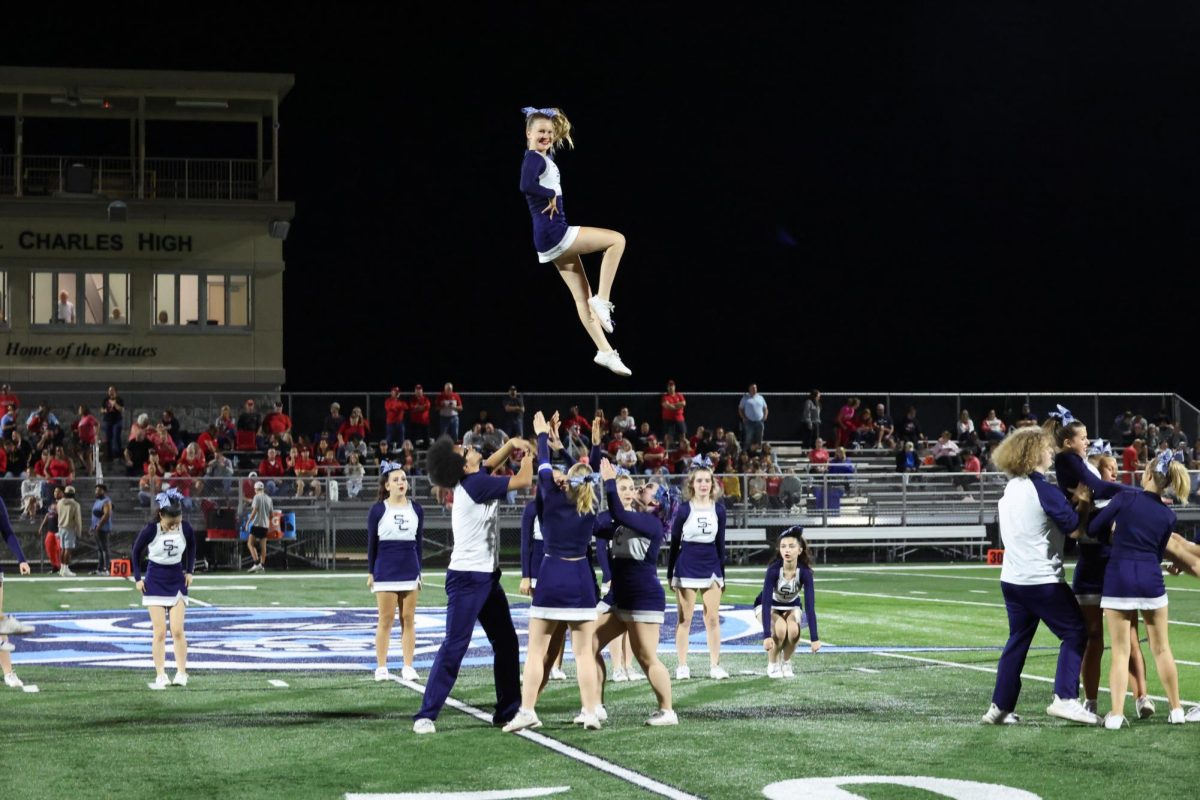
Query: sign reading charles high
{"x": 52, "y": 241}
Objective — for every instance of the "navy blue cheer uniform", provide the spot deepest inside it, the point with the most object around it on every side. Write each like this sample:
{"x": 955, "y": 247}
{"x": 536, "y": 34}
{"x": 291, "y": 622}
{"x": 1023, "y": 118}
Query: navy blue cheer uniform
{"x": 171, "y": 555}
{"x": 783, "y": 595}
{"x": 541, "y": 182}
{"x": 532, "y": 543}
{"x": 1071, "y": 470}
{"x": 1034, "y": 520}
{"x": 394, "y": 544}
{"x": 633, "y": 539}
{"x": 697, "y": 557}
{"x": 1133, "y": 579}
{"x": 474, "y": 593}
{"x": 566, "y": 587}
{"x": 10, "y": 536}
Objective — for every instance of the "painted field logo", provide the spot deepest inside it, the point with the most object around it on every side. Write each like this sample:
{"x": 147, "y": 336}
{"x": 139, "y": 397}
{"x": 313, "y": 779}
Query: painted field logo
{"x": 283, "y": 638}
{"x": 833, "y": 788}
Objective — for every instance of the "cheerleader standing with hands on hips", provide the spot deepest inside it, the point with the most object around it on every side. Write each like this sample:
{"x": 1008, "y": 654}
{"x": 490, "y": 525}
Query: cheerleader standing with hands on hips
{"x": 395, "y": 525}
{"x": 546, "y": 130}
{"x": 170, "y": 546}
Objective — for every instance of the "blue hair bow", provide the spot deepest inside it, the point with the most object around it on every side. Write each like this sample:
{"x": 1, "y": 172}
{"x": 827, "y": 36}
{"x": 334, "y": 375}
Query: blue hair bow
{"x": 1164, "y": 462}
{"x": 701, "y": 462}
{"x": 1064, "y": 414}
{"x": 167, "y": 498}
{"x": 795, "y": 530}
{"x": 575, "y": 481}
{"x": 529, "y": 111}
{"x": 623, "y": 473}
{"x": 1100, "y": 448}
{"x": 389, "y": 466}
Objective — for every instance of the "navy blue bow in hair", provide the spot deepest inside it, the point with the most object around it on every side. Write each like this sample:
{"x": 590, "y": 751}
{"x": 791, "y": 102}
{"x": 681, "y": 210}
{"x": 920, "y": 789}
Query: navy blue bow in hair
{"x": 167, "y": 498}
{"x": 1063, "y": 414}
{"x": 529, "y": 111}
{"x": 1100, "y": 448}
{"x": 389, "y": 466}
{"x": 1163, "y": 466}
{"x": 795, "y": 530}
{"x": 700, "y": 462}
{"x": 575, "y": 481}
{"x": 623, "y": 473}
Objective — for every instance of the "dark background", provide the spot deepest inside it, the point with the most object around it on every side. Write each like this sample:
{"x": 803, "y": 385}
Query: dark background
{"x": 919, "y": 197}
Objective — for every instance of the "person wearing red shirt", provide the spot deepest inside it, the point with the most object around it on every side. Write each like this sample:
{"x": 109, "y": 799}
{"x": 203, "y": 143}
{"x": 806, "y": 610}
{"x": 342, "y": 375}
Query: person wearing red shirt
{"x": 208, "y": 443}
{"x": 41, "y": 467}
{"x": 418, "y": 416}
{"x": 673, "y": 405}
{"x": 818, "y": 457}
{"x": 270, "y": 469}
{"x": 278, "y": 423}
{"x": 305, "y": 468}
{"x": 191, "y": 465}
{"x": 85, "y": 427}
{"x": 168, "y": 452}
{"x": 449, "y": 406}
{"x": 847, "y": 423}
{"x": 59, "y": 469}
{"x": 681, "y": 457}
{"x": 1131, "y": 461}
{"x": 396, "y": 408}
{"x": 354, "y": 424}
{"x": 653, "y": 455}
{"x": 614, "y": 444}
{"x": 8, "y": 397}
{"x": 575, "y": 418}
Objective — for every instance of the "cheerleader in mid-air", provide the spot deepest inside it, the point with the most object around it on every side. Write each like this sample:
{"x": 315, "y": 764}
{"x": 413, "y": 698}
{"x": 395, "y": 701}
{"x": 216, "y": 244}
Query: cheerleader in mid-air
{"x": 170, "y": 545}
{"x": 787, "y": 589}
{"x": 9, "y": 626}
{"x": 395, "y": 525}
{"x": 546, "y": 130}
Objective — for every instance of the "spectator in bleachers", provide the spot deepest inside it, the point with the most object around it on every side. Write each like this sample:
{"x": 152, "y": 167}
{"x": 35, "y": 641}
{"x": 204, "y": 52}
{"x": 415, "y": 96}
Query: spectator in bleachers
{"x": 753, "y": 411}
{"x": 791, "y": 490}
{"x": 730, "y": 482}
{"x": 9, "y": 398}
{"x": 767, "y": 454}
{"x": 226, "y": 427}
{"x": 681, "y": 457}
{"x": 31, "y": 497}
{"x": 327, "y": 459}
{"x": 473, "y": 438}
{"x": 357, "y": 445}
{"x": 729, "y": 444}
{"x": 576, "y": 443}
{"x": 168, "y": 452}
{"x": 846, "y": 422}
{"x": 1151, "y": 438}
{"x": 866, "y": 432}
{"x": 249, "y": 422}
{"x": 373, "y": 461}
{"x": 192, "y": 464}
{"x": 271, "y": 471}
{"x": 283, "y": 448}
{"x": 304, "y": 466}
{"x": 756, "y": 486}
{"x": 396, "y": 410}
{"x": 573, "y": 417}
{"x": 624, "y": 423}
{"x": 1027, "y": 419}
{"x": 151, "y": 480}
{"x": 171, "y": 423}
{"x": 112, "y": 414}
{"x": 85, "y": 429}
{"x": 674, "y": 406}
{"x": 355, "y": 425}
{"x": 706, "y": 445}
{"x": 449, "y": 406}
{"x": 992, "y": 427}
{"x": 8, "y": 422}
{"x": 910, "y": 427}
{"x": 818, "y": 457}
{"x": 137, "y": 453}
{"x": 971, "y": 471}
{"x": 642, "y": 440}
{"x": 885, "y": 430}
{"x": 60, "y": 469}
{"x": 653, "y": 455}
{"x": 625, "y": 456}
{"x": 1122, "y": 428}
{"x": 41, "y": 417}
{"x": 20, "y": 454}
{"x": 209, "y": 443}
{"x": 614, "y": 444}
{"x": 493, "y": 440}
{"x": 333, "y": 422}
{"x": 965, "y": 429}
{"x": 354, "y": 476}
{"x": 418, "y": 416}
{"x": 946, "y": 453}
{"x": 514, "y": 413}
{"x": 219, "y": 473}
{"x": 907, "y": 459}
{"x": 277, "y": 423}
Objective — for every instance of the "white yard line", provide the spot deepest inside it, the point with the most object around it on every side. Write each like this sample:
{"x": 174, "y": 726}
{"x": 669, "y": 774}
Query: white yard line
{"x": 617, "y": 771}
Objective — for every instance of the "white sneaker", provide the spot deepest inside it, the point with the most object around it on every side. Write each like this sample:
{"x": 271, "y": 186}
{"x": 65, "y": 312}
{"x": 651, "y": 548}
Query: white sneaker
{"x": 717, "y": 673}
{"x": 12, "y": 681}
{"x": 996, "y": 716}
{"x": 590, "y": 722}
{"x": 66, "y": 572}
{"x": 620, "y": 675}
{"x": 180, "y": 679}
{"x": 774, "y": 671}
{"x": 612, "y": 362}
{"x": 1145, "y": 707}
{"x": 787, "y": 670}
{"x": 527, "y": 718}
{"x": 1176, "y": 717}
{"x": 1090, "y": 705}
{"x": 5, "y": 645}
{"x": 682, "y": 673}
{"x": 557, "y": 674}
{"x": 601, "y": 713}
{"x": 634, "y": 675}
{"x": 663, "y": 717}
{"x": 407, "y": 673}
{"x": 1192, "y": 715}
{"x": 382, "y": 674}
{"x": 603, "y": 311}
{"x": 256, "y": 568}
{"x": 1114, "y": 722}
{"x": 1072, "y": 710}
{"x": 424, "y": 726}
{"x": 162, "y": 681}
{"x": 9, "y": 626}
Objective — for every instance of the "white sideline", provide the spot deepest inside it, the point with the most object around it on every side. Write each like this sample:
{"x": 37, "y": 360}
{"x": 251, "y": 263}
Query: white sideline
{"x": 627, "y": 775}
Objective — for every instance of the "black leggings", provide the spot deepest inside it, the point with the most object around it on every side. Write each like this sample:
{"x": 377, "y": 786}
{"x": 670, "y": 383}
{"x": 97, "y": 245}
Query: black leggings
{"x": 102, "y": 550}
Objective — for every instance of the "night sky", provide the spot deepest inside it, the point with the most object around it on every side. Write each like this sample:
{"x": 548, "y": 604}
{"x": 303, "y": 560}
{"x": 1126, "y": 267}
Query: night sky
{"x": 935, "y": 196}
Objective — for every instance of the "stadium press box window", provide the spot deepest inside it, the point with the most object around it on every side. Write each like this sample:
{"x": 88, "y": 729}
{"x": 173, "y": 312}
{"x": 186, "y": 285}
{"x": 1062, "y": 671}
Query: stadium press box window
{"x": 96, "y": 299}
{"x": 202, "y": 300}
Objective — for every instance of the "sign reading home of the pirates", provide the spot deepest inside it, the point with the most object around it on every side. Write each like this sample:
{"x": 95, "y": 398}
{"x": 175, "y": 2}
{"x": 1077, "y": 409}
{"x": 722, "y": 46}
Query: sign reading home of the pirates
{"x": 143, "y": 242}
{"x": 78, "y": 351}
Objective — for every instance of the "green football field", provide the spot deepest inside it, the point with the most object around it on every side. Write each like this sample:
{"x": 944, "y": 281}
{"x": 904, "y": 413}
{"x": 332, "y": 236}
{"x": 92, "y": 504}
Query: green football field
{"x": 906, "y": 672}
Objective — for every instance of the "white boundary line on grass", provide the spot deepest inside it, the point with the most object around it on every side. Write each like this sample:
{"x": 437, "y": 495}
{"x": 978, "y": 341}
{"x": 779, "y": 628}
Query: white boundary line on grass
{"x": 992, "y": 670}
{"x": 617, "y": 771}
